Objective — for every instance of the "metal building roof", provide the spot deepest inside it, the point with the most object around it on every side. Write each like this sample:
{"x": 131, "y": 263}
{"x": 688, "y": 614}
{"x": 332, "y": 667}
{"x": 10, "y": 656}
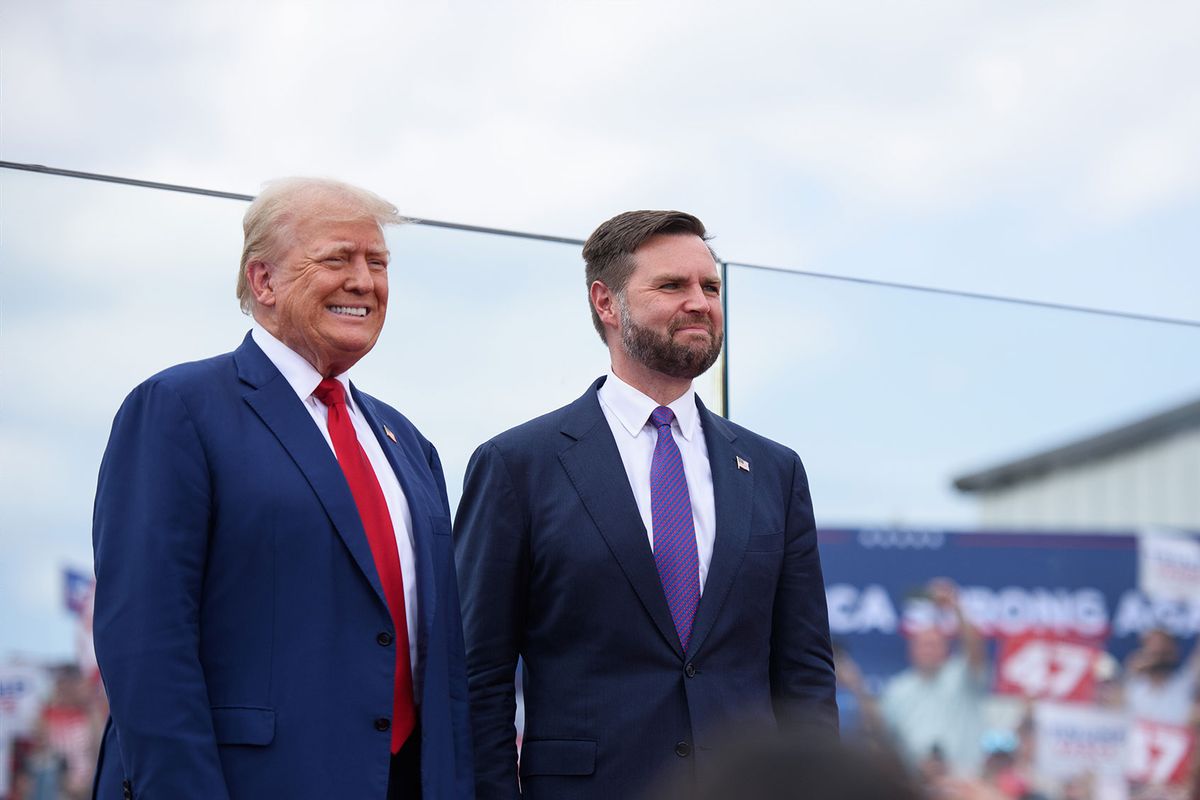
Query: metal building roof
{"x": 1110, "y": 442}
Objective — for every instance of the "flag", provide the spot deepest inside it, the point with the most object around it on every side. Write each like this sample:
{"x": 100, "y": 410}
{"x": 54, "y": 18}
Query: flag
{"x": 77, "y": 589}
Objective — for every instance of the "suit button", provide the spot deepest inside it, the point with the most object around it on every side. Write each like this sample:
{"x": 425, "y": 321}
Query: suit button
{"x": 384, "y": 639}
{"x": 690, "y": 670}
{"x": 683, "y": 749}
{"x": 382, "y": 724}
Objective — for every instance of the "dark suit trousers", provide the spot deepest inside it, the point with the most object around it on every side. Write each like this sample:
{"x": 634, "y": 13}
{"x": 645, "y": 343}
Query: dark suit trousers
{"x": 404, "y": 777}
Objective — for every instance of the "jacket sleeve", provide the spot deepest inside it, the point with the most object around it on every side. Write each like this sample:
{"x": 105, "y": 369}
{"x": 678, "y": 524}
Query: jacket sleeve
{"x": 464, "y": 786}
{"x": 150, "y": 535}
{"x": 802, "y": 678}
{"x": 491, "y": 547}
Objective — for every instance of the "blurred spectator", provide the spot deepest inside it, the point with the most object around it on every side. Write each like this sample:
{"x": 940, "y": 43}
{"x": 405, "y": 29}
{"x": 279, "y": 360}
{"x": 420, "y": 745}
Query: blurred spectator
{"x": 1000, "y": 764}
{"x": 951, "y": 788}
{"x": 44, "y": 772}
{"x": 1109, "y": 691}
{"x": 772, "y": 767}
{"x": 858, "y": 711}
{"x": 1157, "y": 687}
{"x": 934, "y": 707}
{"x": 53, "y": 759}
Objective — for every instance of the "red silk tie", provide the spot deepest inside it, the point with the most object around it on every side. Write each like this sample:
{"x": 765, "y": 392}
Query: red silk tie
{"x": 377, "y": 522}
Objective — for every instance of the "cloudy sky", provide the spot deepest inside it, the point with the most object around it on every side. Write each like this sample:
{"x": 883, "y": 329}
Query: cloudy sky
{"x": 1044, "y": 150}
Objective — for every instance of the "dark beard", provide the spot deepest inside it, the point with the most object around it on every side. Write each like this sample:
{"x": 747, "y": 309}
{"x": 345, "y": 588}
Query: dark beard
{"x": 662, "y": 353}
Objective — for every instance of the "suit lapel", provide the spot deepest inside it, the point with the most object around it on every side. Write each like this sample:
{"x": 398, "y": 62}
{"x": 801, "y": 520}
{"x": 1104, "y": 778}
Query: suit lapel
{"x": 276, "y": 404}
{"x": 594, "y": 467}
{"x": 402, "y": 465}
{"x": 733, "y": 491}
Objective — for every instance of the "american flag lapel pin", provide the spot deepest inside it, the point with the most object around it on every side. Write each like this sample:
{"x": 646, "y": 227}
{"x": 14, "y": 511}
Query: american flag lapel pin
{"x": 388, "y": 433}
{"x": 743, "y": 464}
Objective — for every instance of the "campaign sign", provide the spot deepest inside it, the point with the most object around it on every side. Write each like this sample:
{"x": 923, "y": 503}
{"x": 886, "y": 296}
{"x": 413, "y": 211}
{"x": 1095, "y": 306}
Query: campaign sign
{"x": 1159, "y": 754}
{"x": 1073, "y": 740}
{"x": 1169, "y": 565}
{"x": 22, "y": 690}
{"x": 1040, "y": 666}
{"x": 1065, "y": 587}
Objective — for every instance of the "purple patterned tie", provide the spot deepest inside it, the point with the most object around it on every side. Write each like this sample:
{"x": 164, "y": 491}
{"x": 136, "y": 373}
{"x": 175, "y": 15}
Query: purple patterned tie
{"x": 674, "y": 534}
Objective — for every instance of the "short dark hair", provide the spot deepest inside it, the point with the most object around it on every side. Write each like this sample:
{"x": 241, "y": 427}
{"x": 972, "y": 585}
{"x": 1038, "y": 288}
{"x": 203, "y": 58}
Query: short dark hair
{"x": 608, "y": 252}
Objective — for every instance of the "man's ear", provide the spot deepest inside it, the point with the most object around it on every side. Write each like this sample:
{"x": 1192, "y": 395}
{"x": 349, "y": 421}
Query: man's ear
{"x": 604, "y": 300}
{"x": 258, "y": 277}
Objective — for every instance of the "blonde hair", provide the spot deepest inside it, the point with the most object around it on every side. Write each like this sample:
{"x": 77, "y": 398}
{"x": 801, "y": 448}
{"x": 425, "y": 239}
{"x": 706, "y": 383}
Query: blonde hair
{"x": 269, "y": 221}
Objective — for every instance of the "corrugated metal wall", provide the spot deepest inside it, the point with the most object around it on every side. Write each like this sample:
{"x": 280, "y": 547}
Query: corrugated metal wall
{"x": 1157, "y": 484}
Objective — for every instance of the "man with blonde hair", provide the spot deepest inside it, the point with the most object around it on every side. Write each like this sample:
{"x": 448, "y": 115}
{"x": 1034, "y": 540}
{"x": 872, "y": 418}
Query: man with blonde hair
{"x": 276, "y": 607}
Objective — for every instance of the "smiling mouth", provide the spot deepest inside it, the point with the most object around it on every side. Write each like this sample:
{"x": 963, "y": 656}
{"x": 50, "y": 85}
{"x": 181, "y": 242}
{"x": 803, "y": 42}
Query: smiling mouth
{"x": 348, "y": 311}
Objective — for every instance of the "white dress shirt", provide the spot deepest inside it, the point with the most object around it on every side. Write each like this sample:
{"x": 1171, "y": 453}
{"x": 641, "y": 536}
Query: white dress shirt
{"x": 628, "y": 413}
{"x": 303, "y": 379}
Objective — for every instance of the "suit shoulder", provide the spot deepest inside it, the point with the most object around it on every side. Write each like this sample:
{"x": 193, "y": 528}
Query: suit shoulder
{"x": 533, "y": 433}
{"x": 186, "y": 381}
{"x": 749, "y": 439}
{"x": 192, "y": 374}
{"x": 177, "y": 399}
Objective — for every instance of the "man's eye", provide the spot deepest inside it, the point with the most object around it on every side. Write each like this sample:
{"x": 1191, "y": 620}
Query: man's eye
{"x": 333, "y": 260}
{"x": 712, "y": 289}
{"x": 670, "y": 286}
{"x": 377, "y": 264}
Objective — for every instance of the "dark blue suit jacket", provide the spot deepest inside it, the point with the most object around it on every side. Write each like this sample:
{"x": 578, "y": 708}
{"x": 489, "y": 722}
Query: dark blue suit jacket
{"x": 555, "y": 566}
{"x": 238, "y": 606}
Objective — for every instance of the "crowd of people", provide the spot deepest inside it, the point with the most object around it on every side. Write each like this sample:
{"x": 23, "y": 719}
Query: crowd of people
{"x": 944, "y": 720}
{"x": 52, "y": 755}
{"x": 936, "y": 730}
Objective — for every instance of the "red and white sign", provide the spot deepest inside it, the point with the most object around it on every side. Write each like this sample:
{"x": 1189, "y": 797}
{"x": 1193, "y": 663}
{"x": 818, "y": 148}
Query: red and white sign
{"x": 1159, "y": 754}
{"x": 1044, "y": 667}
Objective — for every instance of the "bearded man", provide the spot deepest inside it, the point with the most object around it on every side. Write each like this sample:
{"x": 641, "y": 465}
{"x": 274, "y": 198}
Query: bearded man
{"x": 653, "y": 565}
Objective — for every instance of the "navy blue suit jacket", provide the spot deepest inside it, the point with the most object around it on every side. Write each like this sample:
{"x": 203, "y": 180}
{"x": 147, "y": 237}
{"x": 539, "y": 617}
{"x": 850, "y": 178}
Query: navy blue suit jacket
{"x": 238, "y": 606}
{"x": 555, "y": 567}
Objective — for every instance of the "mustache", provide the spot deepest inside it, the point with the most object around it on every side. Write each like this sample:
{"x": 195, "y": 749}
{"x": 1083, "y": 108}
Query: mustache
{"x": 689, "y": 320}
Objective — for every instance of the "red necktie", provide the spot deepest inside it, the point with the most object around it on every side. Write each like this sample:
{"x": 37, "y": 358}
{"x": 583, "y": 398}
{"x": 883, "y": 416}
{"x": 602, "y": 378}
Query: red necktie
{"x": 381, "y": 536}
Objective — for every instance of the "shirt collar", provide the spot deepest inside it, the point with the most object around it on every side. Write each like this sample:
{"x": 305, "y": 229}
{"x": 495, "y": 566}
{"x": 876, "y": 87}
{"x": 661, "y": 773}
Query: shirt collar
{"x": 632, "y": 408}
{"x": 300, "y": 375}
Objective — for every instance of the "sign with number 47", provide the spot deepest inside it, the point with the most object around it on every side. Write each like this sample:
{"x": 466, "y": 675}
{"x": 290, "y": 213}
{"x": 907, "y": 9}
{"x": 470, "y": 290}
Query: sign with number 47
{"x": 1159, "y": 753}
{"x": 1043, "y": 667}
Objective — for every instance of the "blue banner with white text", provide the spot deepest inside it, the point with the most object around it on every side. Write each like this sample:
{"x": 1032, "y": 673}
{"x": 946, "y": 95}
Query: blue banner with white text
{"x": 1077, "y": 586}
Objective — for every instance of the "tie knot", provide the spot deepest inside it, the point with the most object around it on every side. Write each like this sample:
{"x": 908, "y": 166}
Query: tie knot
{"x": 330, "y": 392}
{"x": 662, "y": 417}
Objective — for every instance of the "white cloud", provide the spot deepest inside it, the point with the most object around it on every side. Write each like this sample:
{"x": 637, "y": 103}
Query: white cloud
{"x": 1040, "y": 96}
{"x": 531, "y": 115}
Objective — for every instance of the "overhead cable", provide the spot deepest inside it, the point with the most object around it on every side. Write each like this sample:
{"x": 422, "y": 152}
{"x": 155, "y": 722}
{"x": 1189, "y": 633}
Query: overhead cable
{"x": 542, "y": 237}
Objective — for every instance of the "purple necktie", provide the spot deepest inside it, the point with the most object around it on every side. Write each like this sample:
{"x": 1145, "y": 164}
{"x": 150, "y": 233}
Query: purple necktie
{"x": 674, "y": 534}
